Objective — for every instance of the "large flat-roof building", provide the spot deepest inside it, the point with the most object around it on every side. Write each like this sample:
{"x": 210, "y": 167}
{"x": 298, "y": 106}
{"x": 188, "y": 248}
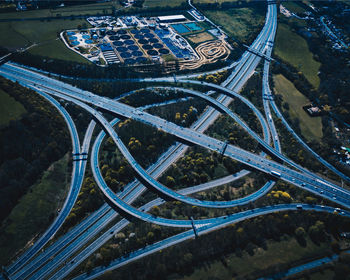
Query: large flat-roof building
{"x": 174, "y": 18}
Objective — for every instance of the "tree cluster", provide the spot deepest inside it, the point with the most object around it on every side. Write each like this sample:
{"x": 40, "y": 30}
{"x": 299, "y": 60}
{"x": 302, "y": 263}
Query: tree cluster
{"x": 89, "y": 200}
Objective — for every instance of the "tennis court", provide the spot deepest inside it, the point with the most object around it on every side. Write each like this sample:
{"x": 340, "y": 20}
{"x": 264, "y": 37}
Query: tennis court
{"x": 193, "y": 26}
{"x": 180, "y": 28}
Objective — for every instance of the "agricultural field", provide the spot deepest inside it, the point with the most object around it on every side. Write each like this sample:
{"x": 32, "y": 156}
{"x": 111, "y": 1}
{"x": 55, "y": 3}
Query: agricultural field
{"x": 293, "y": 49}
{"x": 10, "y": 109}
{"x": 239, "y": 23}
{"x": 311, "y": 127}
{"x": 36, "y": 210}
{"x": 200, "y": 37}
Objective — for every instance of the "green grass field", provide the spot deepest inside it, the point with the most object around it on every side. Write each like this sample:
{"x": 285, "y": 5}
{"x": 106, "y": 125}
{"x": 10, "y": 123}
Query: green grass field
{"x": 31, "y": 215}
{"x": 238, "y": 23}
{"x": 286, "y": 251}
{"x": 211, "y": 1}
{"x": 91, "y": 9}
{"x": 10, "y": 109}
{"x": 294, "y": 49}
{"x": 311, "y": 127}
{"x": 58, "y": 50}
{"x": 294, "y": 7}
{"x": 162, "y": 3}
{"x": 324, "y": 275}
{"x": 22, "y": 34}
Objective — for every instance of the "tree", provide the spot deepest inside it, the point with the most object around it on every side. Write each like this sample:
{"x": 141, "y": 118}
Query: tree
{"x": 342, "y": 267}
{"x": 170, "y": 181}
{"x": 106, "y": 254}
{"x": 155, "y": 210}
{"x": 89, "y": 266}
{"x": 150, "y": 237}
{"x": 177, "y": 117}
{"x": 335, "y": 247}
{"x": 300, "y": 236}
{"x": 188, "y": 258}
{"x": 314, "y": 233}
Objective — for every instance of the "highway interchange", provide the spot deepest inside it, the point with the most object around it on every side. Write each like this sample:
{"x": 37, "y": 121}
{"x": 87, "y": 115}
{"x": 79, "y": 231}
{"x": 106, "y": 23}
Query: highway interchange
{"x": 53, "y": 261}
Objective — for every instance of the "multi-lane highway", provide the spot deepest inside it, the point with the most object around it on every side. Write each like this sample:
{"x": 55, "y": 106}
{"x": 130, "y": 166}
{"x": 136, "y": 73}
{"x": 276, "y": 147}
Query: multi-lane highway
{"x": 268, "y": 99}
{"x": 77, "y": 176}
{"x": 208, "y": 117}
{"x": 305, "y": 180}
{"x": 234, "y": 218}
{"x": 57, "y": 255}
{"x": 79, "y": 158}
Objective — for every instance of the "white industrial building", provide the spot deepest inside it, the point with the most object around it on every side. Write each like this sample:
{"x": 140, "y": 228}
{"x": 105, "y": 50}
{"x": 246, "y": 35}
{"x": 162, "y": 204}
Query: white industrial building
{"x": 174, "y": 18}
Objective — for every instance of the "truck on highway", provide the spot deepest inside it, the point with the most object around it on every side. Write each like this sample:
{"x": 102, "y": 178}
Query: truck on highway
{"x": 275, "y": 173}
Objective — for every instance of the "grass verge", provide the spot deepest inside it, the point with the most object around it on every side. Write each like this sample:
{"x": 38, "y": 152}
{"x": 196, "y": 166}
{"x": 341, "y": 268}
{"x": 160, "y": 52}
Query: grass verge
{"x": 282, "y": 252}
{"x": 320, "y": 275}
{"x": 36, "y": 210}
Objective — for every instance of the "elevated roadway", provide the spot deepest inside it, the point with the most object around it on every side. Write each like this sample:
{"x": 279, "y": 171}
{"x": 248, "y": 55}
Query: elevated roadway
{"x": 305, "y": 180}
{"x": 234, "y": 218}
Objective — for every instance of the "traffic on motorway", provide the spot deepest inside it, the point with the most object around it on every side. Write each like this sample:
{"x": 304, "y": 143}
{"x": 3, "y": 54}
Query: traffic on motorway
{"x": 60, "y": 258}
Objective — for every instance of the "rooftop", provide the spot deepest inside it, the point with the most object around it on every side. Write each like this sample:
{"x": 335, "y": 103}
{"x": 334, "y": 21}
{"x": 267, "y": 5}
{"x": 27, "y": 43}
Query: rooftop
{"x": 174, "y": 17}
